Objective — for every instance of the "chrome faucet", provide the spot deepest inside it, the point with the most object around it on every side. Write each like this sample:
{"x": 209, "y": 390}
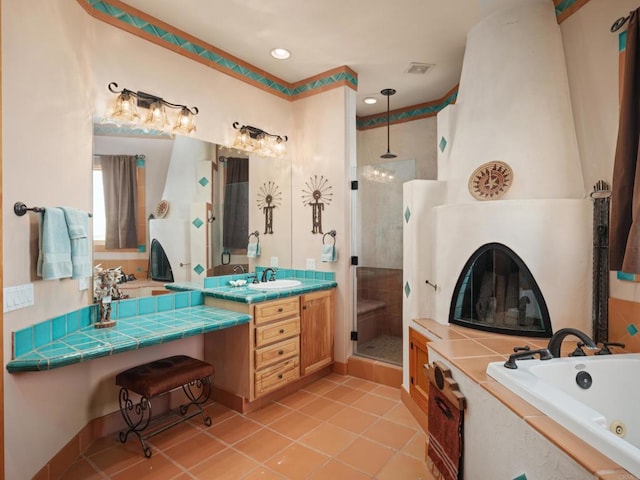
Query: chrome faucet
{"x": 264, "y": 275}
{"x": 240, "y": 268}
{"x": 556, "y": 340}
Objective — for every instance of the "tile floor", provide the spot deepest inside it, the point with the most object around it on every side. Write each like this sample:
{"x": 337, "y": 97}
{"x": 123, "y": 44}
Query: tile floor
{"x": 338, "y": 428}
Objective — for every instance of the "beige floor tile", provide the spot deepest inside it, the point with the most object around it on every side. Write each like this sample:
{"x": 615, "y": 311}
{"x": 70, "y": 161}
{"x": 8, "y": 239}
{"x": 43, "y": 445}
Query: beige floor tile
{"x": 226, "y": 465}
{"x": 344, "y": 394}
{"x": 388, "y": 392}
{"x": 403, "y": 466}
{"x": 329, "y": 439}
{"x": 321, "y": 387}
{"x": 234, "y": 429}
{"x": 295, "y": 425}
{"x": 374, "y": 404}
{"x": 400, "y": 414}
{"x": 269, "y": 414}
{"x": 390, "y": 434}
{"x": 366, "y": 456}
{"x": 194, "y": 450}
{"x": 322, "y": 408}
{"x": 360, "y": 384}
{"x": 353, "y": 419}
{"x": 262, "y": 445}
{"x": 416, "y": 447}
{"x": 335, "y": 470}
{"x": 297, "y": 462}
{"x": 298, "y": 399}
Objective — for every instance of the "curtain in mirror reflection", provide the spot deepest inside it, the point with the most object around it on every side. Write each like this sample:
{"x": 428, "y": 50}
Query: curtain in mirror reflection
{"x": 236, "y": 204}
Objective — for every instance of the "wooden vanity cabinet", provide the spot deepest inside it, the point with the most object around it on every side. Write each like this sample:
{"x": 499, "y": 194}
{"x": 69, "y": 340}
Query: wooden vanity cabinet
{"x": 316, "y": 338}
{"x": 418, "y": 357}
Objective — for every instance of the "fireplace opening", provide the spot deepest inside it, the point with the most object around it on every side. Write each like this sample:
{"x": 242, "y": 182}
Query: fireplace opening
{"x": 497, "y": 293}
{"x": 160, "y": 267}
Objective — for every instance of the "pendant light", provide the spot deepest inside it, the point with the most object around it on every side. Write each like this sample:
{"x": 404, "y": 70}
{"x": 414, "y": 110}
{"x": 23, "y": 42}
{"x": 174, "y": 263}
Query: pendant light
{"x": 387, "y": 92}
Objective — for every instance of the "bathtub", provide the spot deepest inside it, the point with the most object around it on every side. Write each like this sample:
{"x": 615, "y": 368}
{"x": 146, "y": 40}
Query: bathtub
{"x": 606, "y": 401}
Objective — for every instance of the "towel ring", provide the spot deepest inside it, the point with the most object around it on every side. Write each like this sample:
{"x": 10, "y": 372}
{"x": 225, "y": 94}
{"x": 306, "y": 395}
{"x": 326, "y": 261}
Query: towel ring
{"x": 333, "y": 235}
{"x": 257, "y": 234}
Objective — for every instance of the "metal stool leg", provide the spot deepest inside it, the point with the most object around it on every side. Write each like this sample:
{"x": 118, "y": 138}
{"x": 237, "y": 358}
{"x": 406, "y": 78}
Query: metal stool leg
{"x": 137, "y": 417}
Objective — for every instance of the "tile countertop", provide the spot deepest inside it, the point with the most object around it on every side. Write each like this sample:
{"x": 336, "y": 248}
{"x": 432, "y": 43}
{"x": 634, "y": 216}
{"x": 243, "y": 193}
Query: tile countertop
{"x": 219, "y": 287}
{"x": 472, "y": 350}
{"x": 130, "y": 333}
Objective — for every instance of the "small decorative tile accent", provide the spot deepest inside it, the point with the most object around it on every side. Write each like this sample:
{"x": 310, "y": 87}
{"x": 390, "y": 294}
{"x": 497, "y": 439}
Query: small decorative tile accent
{"x": 407, "y": 214}
{"x": 182, "y": 300}
{"x": 622, "y": 41}
{"x": 197, "y": 222}
{"x": 407, "y": 289}
{"x": 629, "y": 277}
{"x": 142, "y": 248}
{"x": 139, "y": 162}
{"x": 203, "y": 181}
{"x": 632, "y": 329}
{"x": 198, "y": 269}
{"x": 443, "y": 144}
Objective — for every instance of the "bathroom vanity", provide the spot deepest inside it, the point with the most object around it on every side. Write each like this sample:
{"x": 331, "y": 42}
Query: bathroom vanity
{"x": 287, "y": 341}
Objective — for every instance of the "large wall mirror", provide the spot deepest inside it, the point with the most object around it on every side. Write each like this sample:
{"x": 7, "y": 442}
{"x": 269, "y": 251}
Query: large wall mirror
{"x": 200, "y": 209}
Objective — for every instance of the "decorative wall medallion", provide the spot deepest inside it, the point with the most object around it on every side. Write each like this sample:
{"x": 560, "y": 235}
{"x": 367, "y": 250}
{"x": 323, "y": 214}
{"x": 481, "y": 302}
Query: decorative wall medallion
{"x": 269, "y": 197}
{"x": 317, "y": 189}
{"x": 490, "y": 180}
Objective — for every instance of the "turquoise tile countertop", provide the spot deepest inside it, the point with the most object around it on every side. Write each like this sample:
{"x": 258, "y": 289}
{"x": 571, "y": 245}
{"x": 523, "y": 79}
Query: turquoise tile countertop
{"x": 219, "y": 287}
{"x": 142, "y": 322}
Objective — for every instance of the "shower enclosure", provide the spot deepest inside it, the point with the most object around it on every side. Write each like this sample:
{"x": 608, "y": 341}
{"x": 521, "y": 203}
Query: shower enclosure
{"x": 378, "y": 312}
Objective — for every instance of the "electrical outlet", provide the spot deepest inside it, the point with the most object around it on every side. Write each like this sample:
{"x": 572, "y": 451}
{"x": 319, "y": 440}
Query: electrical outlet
{"x": 274, "y": 261}
{"x": 311, "y": 263}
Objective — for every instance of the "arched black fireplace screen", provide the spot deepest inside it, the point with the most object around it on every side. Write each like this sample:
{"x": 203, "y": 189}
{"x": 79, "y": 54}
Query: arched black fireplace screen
{"x": 159, "y": 263}
{"x": 497, "y": 293}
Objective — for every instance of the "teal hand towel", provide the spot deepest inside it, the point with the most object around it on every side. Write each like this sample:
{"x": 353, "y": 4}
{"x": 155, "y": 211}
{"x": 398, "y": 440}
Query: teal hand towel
{"x": 77, "y": 227}
{"x": 253, "y": 250}
{"x": 329, "y": 253}
{"x": 54, "y": 258}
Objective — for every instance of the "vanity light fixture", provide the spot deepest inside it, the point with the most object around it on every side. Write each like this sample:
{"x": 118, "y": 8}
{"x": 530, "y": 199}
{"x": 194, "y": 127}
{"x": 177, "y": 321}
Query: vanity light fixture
{"x": 280, "y": 53}
{"x": 254, "y": 140}
{"x": 387, "y": 92}
{"x": 128, "y": 101}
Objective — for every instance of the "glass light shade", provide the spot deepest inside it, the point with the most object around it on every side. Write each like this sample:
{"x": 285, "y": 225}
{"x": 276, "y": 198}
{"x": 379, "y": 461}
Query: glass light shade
{"x": 243, "y": 141}
{"x": 125, "y": 107}
{"x": 157, "y": 117}
{"x": 184, "y": 123}
{"x": 280, "y": 146}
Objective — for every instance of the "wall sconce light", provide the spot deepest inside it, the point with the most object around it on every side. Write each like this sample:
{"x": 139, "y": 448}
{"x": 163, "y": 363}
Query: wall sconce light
{"x": 254, "y": 140}
{"x": 126, "y": 110}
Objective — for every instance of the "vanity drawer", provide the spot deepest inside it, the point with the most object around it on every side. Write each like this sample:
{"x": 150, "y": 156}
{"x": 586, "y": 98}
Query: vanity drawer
{"x": 266, "y": 356}
{"x": 277, "y": 309}
{"x": 277, "y": 376}
{"x": 274, "y": 332}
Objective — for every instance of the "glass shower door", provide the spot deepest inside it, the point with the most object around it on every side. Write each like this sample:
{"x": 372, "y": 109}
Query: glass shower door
{"x": 378, "y": 312}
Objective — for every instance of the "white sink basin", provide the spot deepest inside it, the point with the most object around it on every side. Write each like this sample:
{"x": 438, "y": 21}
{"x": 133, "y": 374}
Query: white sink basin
{"x": 275, "y": 285}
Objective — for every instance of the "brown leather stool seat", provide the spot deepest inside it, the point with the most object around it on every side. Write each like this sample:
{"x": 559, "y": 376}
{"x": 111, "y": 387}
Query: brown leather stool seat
{"x": 161, "y": 376}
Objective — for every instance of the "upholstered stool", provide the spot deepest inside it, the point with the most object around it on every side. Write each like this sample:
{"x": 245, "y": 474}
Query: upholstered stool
{"x": 157, "y": 378}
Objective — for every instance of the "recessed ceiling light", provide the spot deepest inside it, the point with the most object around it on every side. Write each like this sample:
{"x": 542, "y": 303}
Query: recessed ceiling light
{"x": 369, "y": 100}
{"x": 280, "y": 53}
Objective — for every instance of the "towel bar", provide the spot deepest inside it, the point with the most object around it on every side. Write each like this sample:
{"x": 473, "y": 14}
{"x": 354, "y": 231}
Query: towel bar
{"x": 20, "y": 209}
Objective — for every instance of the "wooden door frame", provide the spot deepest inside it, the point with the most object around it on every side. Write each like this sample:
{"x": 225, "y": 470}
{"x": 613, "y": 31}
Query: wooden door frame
{"x": 1, "y": 279}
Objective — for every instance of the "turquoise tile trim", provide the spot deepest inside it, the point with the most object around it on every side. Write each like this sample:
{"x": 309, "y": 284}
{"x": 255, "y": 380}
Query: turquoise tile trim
{"x": 181, "y": 300}
{"x": 131, "y": 333}
{"x": 622, "y": 41}
{"x": 142, "y": 248}
{"x": 632, "y": 329}
{"x": 147, "y": 305}
{"x": 323, "y": 82}
{"x": 165, "y": 302}
{"x": 630, "y": 277}
{"x": 563, "y": 5}
{"x": 126, "y": 309}
{"x": 196, "y": 298}
{"x": 405, "y": 115}
{"x": 139, "y": 162}
{"x": 42, "y": 333}
{"x": 73, "y": 321}
{"x": 59, "y": 327}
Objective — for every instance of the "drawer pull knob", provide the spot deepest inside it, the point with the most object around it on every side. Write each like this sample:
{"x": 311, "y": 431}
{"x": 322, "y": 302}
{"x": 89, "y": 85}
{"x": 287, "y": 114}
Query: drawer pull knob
{"x": 282, "y": 330}
{"x": 281, "y": 352}
{"x": 280, "y": 309}
{"x": 280, "y": 376}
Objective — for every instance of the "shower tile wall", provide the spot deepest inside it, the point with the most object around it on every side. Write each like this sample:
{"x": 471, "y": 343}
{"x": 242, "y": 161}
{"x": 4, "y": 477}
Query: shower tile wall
{"x": 379, "y": 302}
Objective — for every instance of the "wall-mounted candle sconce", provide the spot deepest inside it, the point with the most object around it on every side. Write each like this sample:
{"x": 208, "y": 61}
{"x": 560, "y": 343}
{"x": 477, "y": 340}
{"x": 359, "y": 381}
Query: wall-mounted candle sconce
{"x": 255, "y": 140}
{"x": 128, "y": 102}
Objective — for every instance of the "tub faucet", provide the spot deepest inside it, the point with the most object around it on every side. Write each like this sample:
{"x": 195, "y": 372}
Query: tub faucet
{"x": 264, "y": 275}
{"x": 240, "y": 268}
{"x": 556, "y": 340}
{"x": 543, "y": 353}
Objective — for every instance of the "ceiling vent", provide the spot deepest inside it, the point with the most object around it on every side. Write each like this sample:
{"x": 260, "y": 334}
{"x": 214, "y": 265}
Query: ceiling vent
{"x": 419, "y": 68}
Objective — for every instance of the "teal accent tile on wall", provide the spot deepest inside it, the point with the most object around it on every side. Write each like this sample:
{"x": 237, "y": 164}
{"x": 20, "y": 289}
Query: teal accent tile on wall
{"x": 140, "y": 162}
{"x": 126, "y": 308}
{"x": 73, "y": 321}
{"x": 181, "y": 300}
{"x": 632, "y": 329}
{"x": 147, "y": 305}
{"x": 622, "y": 41}
{"x": 629, "y": 277}
{"x": 198, "y": 269}
{"x": 142, "y": 248}
{"x": 22, "y": 341}
{"x": 197, "y": 222}
{"x": 59, "y": 327}
{"x": 165, "y": 303}
{"x": 407, "y": 289}
{"x": 443, "y": 144}
{"x": 203, "y": 181}
{"x": 407, "y": 214}
{"x": 42, "y": 333}
{"x": 196, "y": 298}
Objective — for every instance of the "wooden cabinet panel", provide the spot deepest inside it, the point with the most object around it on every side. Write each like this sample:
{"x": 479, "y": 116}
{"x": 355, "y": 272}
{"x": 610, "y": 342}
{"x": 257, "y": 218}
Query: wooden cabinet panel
{"x": 277, "y": 376}
{"x": 276, "y": 310}
{"x": 418, "y": 357}
{"x": 266, "y": 356}
{"x": 316, "y": 331}
{"x": 275, "y": 332}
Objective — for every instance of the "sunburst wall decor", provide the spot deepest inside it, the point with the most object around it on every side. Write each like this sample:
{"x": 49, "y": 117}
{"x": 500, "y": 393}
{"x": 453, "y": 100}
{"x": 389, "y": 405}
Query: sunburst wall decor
{"x": 317, "y": 189}
{"x": 269, "y": 197}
